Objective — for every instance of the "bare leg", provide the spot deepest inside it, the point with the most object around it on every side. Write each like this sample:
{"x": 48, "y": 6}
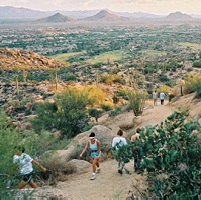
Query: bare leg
{"x": 22, "y": 185}
{"x": 33, "y": 184}
{"x": 95, "y": 163}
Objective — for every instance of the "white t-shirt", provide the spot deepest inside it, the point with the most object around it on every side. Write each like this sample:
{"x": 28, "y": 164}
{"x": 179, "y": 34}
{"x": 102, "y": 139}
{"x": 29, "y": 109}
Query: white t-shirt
{"x": 155, "y": 95}
{"x": 24, "y": 162}
{"x": 162, "y": 95}
{"x": 120, "y": 140}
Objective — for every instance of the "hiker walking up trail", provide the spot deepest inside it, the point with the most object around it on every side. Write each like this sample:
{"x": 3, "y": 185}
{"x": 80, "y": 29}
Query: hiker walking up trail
{"x": 155, "y": 97}
{"x": 136, "y": 152}
{"x": 26, "y": 163}
{"x": 162, "y": 98}
{"x": 95, "y": 150}
{"x": 117, "y": 142}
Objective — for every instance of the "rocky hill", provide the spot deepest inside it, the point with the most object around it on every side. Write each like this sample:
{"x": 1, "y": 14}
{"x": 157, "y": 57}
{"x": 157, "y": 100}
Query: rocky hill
{"x": 178, "y": 16}
{"x": 57, "y": 18}
{"x": 105, "y": 16}
{"x": 23, "y": 59}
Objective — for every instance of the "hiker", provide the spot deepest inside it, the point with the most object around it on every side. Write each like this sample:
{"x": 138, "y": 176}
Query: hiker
{"x": 26, "y": 163}
{"x": 95, "y": 149}
{"x": 155, "y": 97}
{"x": 136, "y": 152}
{"x": 117, "y": 141}
{"x": 162, "y": 98}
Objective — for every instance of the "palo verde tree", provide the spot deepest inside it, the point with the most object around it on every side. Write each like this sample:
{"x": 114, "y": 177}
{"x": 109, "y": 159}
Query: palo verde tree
{"x": 176, "y": 154}
{"x": 68, "y": 113}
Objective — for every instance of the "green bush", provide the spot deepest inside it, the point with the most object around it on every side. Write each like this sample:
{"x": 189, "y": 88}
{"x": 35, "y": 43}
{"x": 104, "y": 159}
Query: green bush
{"x": 93, "y": 112}
{"x": 176, "y": 153}
{"x": 197, "y": 64}
{"x": 68, "y": 114}
{"x": 35, "y": 145}
{"x": 9, "y": 139}
{"x": 46, "y": 116}
{"x": 106, "y": 107}
{"x": 123, "y": 93}
{"x": 193, "y": 84}
{"x": 197, "y": 87}
{"x": 115, "y": 112}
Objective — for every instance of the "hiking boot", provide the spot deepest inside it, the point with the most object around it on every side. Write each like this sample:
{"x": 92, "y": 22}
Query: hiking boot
{"x": 93, "y": 176}
{"x": 98, "y": 170}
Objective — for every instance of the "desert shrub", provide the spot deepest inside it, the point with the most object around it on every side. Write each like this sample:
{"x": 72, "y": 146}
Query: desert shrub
{"x": 123, "y": 93}
{"x": 96, "y": 65}
{"x": 44, "y": 142}
{"x": 118, "y": 79}
{"x": 70, "y": 77}
{"x": 60, "y": 169}
{"x": 107, "y": 106}
{"x": 176, "y": 154}
{"x": 197, "y": 63}
{"x": 46, "y": 116}
{"x": 68, "y": 114}
{"x": 115, "y": 112}
{"x": 163, "y": 78}
{"x": 95, "y": 94}
{"x": 112, "y": 78}
{"x": 193, "y": 84}
{"x": 72, "y": 115}
{"x": 106, "y": 79}
{"x": 164, "y": 89}
{"x": 137, "y": 101}
{"x": 9, "y": 138}
{"x": 197, "y": 87}
{"x": 93, "y": 112}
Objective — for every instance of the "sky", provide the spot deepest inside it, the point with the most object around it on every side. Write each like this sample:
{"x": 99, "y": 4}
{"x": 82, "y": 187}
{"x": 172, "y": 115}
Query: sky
{"x": 146, "y": 6}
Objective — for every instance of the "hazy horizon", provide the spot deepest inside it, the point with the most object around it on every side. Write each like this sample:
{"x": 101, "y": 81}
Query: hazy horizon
{"x": 160, "y": 7}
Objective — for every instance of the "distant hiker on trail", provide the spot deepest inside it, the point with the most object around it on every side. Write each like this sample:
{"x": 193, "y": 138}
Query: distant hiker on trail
{"x": 118, "y": 142}
{"x": 162, "y": 98}
{"x": 155, "y": 97}
{"x": 95, "y": 149}
{"x": 136, "y": 152}
{"x": 26, "y": 163}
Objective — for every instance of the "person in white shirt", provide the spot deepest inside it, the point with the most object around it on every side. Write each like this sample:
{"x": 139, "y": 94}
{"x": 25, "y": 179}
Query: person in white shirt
{"x": 155, "y": 97}
{"x": 26, "y": 163}
{"x": 119, "y": 140}
{"x": 162, "y": 98}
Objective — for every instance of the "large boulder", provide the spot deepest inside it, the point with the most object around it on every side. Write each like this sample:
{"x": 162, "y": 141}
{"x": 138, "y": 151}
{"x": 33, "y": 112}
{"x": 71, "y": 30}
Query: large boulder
{"x": 104, "y": 134}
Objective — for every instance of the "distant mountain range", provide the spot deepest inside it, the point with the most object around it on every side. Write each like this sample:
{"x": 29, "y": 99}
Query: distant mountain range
{"x": 105, "y": 15}
{"x": 8, "y": 12}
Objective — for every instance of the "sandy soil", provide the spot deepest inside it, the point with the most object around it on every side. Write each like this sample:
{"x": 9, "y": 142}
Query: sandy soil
{"x": 109, "y": 185}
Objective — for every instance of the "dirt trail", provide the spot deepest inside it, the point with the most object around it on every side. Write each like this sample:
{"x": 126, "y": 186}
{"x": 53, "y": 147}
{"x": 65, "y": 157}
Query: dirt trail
{"x": 109, "y": 185}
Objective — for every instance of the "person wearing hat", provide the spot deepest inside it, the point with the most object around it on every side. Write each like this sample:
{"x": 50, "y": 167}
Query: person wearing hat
{"x": 26, "y": 163}
{"x": 95, "y": 150}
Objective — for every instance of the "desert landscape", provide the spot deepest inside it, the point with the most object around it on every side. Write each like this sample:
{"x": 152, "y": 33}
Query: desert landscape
{"x": 109, "y": 185}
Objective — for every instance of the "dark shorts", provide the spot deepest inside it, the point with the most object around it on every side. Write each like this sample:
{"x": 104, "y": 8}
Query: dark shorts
{"x": 27, "y": 177}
